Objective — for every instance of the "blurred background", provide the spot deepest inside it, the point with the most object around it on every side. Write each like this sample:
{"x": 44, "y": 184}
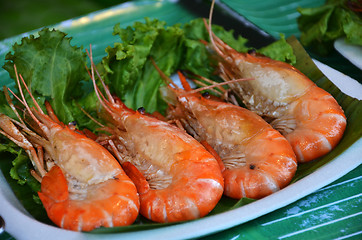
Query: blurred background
{"x": 19, "y": 16}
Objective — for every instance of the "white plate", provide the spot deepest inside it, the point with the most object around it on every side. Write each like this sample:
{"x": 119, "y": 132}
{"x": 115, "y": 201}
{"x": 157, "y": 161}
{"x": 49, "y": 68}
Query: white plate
{"x": 352, "y": 52}
{"x": 22, "y": 226}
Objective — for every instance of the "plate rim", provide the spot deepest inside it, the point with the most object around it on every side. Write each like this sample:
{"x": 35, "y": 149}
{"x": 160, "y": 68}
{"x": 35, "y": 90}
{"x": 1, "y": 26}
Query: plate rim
{"x": 351, "y": 52}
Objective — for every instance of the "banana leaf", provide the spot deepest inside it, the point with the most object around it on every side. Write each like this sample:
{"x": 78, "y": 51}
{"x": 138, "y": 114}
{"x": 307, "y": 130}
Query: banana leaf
{"x": 351, "y": 106}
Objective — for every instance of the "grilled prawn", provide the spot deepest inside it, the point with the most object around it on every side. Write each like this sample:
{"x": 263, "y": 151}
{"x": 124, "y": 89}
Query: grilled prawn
{"x": 82, "y": 185}
{"x": 257, "y": 159}
{"x": 176, "y": 177}
{"x": 308, "y": 116}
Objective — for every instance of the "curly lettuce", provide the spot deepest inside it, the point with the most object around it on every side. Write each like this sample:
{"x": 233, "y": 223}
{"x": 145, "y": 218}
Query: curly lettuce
{"x": 132, "y": 77}
{"x": 51, "y": 67}
{"x": 320, "y": 26}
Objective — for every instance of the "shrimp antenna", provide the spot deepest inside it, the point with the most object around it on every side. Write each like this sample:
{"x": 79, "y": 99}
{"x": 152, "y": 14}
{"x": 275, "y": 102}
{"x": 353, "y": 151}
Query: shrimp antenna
{"x": 19, "y": 99}
{"x": 208, "y": 26}
{"x": 10, "y": 102}
{"x": 216, "y": 85}
{"x": 200, "y": 83}
{"x": 100, "y": 92}
{"x": 31, "y": 95}
{"x": 23, "y": 98}
{"x": 88, "y": 115}
{"x": 12, "y": 106}
{"x": 163, "y": 75}
{"x": 94, "y": 81}
{"x": 221, "y": 89}
{"x": 106, "y": 89}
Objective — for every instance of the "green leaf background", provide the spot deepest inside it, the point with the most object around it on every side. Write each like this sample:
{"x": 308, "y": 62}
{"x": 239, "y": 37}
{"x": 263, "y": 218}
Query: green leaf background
{"x": 320, "y": 26}
{"x": 51, "y": 68}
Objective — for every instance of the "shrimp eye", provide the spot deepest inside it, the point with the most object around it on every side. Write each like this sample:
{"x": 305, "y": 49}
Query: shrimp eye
{"x": 252, "y": 166}
{"x": 252, "y": 51}
{"x": 141, "y": 110}
{"x": 206, "y": 95}
{"x": 72, "y": 124}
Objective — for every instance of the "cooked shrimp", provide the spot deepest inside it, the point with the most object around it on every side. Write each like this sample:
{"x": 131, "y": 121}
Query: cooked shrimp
{"x": 258, "y": 160}
{"x": 176, "y": 177}
{"x": 308, "y": 116}
{"x": 82, "y": 185}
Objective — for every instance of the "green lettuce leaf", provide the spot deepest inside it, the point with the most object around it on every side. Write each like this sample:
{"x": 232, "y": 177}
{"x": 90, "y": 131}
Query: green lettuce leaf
{"x": 320, "y": 26}
{"x": 17, "y": 174}
{"x": 4, "y": 106}
{"x": 52, "y": 68}
{"x": 21, "y": 166}
{"x": 196, "y": 57}
{"x": 196, "y": 30}
{"x": 279, "y": 50}
{"x": 129, "y": 71}
{"x": 133, "y": 78}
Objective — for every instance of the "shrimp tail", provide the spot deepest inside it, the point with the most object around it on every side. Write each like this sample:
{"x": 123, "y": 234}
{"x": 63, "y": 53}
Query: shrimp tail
{"x": 137, "y": 177}
{"x": 50, "y": 195}
{"x": 106, "y": 204}
{"x": 55, "y": 175}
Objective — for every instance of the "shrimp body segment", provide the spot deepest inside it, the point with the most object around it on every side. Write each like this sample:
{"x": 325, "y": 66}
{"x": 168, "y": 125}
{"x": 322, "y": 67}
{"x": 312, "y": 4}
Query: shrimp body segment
{"x": 258, "y": 160}
{"x": 308, "y": 116}
{"x": 185, "y": 181}
{"x": 177, "y": 178}
{"x": 82, "y": 185}
{"x": 87, "y": 188}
